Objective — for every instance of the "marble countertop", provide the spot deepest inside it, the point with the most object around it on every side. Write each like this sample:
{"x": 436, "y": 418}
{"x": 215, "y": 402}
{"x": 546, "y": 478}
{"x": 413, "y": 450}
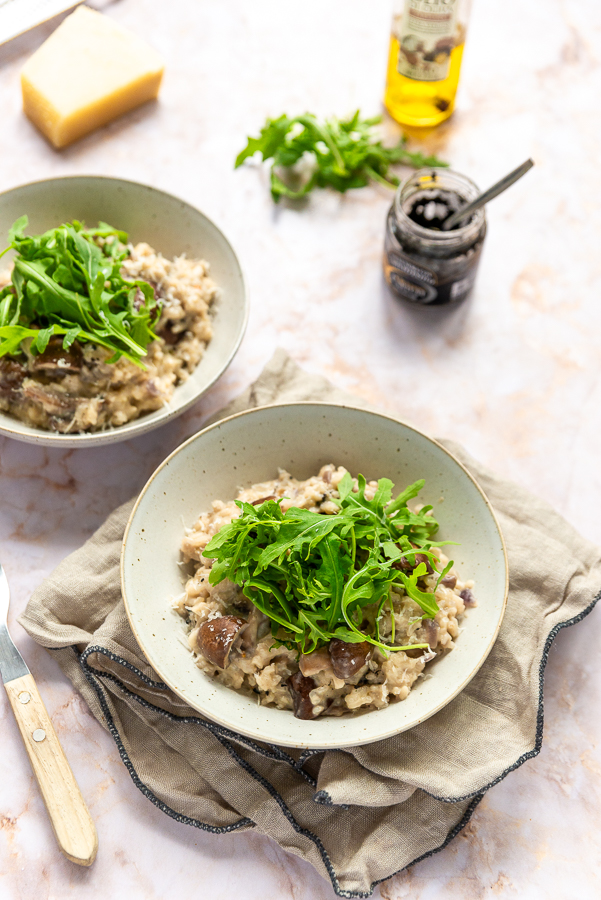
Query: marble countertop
{"x": 514, "y": 375}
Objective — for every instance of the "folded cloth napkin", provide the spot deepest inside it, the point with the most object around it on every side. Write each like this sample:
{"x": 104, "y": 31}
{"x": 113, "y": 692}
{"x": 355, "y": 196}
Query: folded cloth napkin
{"x": 358, "y": 815}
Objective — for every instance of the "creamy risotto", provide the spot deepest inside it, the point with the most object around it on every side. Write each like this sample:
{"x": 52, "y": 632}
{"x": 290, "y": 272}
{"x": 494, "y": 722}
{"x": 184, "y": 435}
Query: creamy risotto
{"x": 232, "y": 641}
{"x": 78, "y": 390}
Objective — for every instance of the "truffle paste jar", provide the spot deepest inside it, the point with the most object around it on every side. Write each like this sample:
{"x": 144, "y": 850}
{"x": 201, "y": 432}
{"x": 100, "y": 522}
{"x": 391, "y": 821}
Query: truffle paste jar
{"x": 424, "y": 264}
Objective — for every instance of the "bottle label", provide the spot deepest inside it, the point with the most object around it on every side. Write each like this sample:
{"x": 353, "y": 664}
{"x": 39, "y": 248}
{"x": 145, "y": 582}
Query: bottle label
{"x": 426, "y": 36}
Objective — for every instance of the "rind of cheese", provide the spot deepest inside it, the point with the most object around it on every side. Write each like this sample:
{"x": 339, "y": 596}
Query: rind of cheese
{"x": 89, "y": 71}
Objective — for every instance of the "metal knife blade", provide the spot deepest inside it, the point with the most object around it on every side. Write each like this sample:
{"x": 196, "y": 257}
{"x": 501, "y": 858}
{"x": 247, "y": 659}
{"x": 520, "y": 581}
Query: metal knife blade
{"x": 17, "y": 16}
{"x": 12, "y": 664}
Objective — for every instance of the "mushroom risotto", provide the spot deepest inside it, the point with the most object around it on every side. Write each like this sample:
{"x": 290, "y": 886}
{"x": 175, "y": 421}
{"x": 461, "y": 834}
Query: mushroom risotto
{"x": 322, "y": 596}
{"x": 94, "y": 331}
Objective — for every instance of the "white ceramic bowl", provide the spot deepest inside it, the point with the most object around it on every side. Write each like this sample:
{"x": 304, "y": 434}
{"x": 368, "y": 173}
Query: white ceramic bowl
{"x": 301, "y": 437}
{"x": 169, "y": 225}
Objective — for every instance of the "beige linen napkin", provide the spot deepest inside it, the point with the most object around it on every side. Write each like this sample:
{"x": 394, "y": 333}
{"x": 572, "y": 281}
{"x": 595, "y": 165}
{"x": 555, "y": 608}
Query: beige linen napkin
{"x": 359, "y": 815}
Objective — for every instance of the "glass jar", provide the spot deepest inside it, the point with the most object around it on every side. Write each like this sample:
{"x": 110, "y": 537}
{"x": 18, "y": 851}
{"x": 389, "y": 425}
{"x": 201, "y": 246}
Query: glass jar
{"x": 423, "y": 264}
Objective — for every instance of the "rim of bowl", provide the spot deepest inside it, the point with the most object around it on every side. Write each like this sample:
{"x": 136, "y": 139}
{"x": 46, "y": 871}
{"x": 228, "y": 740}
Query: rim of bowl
{"x": 312, "y": 744}
{"x": 140, "y": 426}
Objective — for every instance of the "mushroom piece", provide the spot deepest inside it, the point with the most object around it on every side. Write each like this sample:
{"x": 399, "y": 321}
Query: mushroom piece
{"x": 300, "y": 687}
{"x": 449, "y": 581}
{"x": 216, "y": 638}
{"x": 315, "y": 662}
{"x": 422, "y": 558}
{"x": 262, "y": 500}
{"x": 170, "y": 336}
{"x": 431, "y": 627}
{"x": 255, "y": 627}
{"x": 139, "y": 299}
{"x": 159, "y": 293}
{"x": 407, "y": 566}
{"x": 53, "y": 403}
{"x": 57, "y": 361}
{"x": 467, "y": 597}
{"x": 348, "y": 658}
{"x": 12, "y": 373}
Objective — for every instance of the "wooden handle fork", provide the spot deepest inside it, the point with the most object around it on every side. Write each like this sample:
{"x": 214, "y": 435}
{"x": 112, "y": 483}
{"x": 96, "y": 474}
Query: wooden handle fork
{"x": 71, "y": 821}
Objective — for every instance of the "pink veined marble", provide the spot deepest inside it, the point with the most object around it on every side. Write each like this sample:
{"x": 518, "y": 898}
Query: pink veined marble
{"x": 513, "y": 375}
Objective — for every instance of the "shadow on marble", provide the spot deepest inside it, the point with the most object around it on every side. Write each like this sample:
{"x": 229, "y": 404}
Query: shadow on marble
{"x": 446, "y": 321}
{"x": 111, "y": 131}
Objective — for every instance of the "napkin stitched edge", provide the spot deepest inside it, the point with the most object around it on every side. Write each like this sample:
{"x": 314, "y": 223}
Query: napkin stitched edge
{"x": 92, "y": 676}
{"x": 224, "y": 735}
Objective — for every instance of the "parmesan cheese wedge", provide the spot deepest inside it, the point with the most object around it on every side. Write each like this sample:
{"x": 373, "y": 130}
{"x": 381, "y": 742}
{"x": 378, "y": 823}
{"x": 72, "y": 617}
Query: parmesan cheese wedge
{"x": 89, "y": 71}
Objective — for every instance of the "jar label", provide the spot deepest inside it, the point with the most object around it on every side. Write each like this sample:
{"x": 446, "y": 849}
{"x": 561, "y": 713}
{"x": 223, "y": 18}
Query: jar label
{"x": 417, "y": 273}
{"x": 426, "y": 37}
{"x": 422, "y": 287}
{"x": 416, "y": 293}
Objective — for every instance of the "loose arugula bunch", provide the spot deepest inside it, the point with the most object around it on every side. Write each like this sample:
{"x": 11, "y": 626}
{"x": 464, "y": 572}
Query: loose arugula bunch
{"x": 65, "y": 282}
{"x": 346, "y": 153}
{"x": 319, "y": 577}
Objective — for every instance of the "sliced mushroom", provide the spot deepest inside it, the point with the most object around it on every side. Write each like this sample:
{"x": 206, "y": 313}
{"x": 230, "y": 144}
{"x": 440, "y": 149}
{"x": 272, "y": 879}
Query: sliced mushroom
{"x": 449, "y": 581}
{"x": 467, "y": 597}
{"x": 12, "y": 373}
{"x": 407, "y": 566}
{"x": 255, "y": 627}
{"x": 170, "y": 336}
{"x": 139, "y": 299}
{"x": 431, "y": 627}
{"x": 300, "y": 687}
{"x": 262, "y": 500}
{"x": 216, "y": 638}
{"x": 159, "y": 293}
{"x": 56, "y": 361}
{"x": 348, "y": 658}
{"x": 52, "y": 402}
{"x": 422, "y": 558}
{"x": 318, "y": 661}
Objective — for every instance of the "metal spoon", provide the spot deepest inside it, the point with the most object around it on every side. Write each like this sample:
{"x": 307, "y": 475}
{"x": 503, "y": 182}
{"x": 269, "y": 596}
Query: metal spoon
{"x": 493, "y": 191}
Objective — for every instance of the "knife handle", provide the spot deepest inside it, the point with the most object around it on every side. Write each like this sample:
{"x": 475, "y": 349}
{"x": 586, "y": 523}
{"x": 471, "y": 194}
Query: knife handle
{"x": 71, "y": 821}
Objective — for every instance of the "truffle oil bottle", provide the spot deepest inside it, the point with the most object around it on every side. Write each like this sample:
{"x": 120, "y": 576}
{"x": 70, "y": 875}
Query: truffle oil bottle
{"x": 426, "y": 47}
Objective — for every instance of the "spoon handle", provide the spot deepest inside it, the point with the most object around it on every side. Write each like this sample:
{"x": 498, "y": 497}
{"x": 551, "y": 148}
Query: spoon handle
{"x": 493, "y": 191}
{"x": 71, "y": 821}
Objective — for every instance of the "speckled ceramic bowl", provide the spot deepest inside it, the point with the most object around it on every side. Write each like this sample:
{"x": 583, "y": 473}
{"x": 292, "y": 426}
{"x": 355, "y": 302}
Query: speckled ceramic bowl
{"x": 169, "y": 225}
{"x": 301, "y": 437}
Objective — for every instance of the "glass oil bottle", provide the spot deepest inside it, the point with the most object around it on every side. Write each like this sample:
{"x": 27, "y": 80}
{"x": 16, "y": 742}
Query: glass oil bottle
{"x": 426, "y": 48}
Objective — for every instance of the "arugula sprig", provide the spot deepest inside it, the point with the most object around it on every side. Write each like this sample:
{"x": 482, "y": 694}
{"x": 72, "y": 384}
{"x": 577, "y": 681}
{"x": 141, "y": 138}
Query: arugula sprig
{"x": 318, "y": 577}
{"x": 68, "y": 282}
{"x": 344, "y": 153}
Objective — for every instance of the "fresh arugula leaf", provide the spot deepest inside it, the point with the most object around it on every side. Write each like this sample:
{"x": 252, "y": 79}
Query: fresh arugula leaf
{"x": 68, "y": 281}
{"x": 319, "y": 577}
{"x": 408, "y": 494}
{"x": 344, "y": 154}
{"x": 16, "y": 230}
{"x": 424, "y": 599}
{"x": 299, "y": 533}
